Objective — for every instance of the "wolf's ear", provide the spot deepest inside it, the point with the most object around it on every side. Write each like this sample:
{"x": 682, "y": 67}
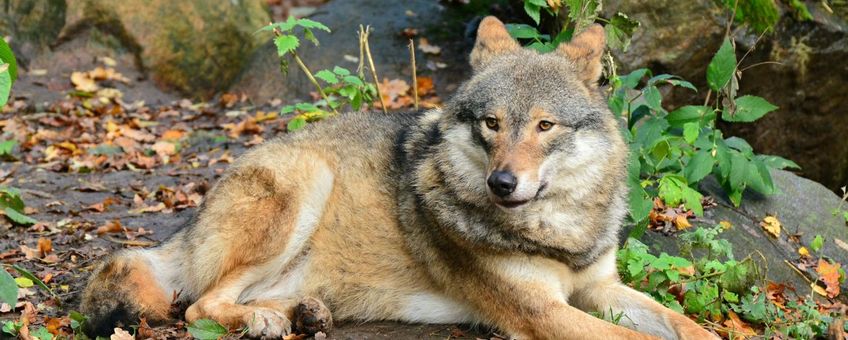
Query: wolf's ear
{"x": 585, "y": 51}
{"x": 492, "y": 40}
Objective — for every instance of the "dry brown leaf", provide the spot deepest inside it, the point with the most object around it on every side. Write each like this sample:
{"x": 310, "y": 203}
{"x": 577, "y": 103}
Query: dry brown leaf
{"x": 771, "y": 225}
{"x": 45, "y": 246}
{"x": 829, "y": 274}
{"x": 113, "y": 226}
{"x": 425, "y": 85}
{"x": 738, "y": 329}
{"x": 172, "y": 135}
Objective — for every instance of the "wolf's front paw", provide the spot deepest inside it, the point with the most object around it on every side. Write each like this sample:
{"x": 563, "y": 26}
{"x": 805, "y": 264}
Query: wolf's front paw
{"x": 267, "y": 323}
{"x": 312, "y": 316}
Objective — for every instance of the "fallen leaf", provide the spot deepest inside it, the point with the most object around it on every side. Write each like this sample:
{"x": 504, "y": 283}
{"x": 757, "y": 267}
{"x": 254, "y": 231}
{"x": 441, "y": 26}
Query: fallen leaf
{"x": 771, "y": 225}
{"x": 738, "y": 329}
{"x": 804, "y": 252}
{"x": 424, "y": 46}
{"x": 45, "y": 246}
{"x": 171, "y": 135}
{"x": 113, "y": 226}
{"x": 681, "y": 222}
{"x": 121, "y": 334}
{"x": 725, "y": 225}
{"x": 83, "y": 82}
{"x": 829, "y": 275}
{"x": 425, "y": 85}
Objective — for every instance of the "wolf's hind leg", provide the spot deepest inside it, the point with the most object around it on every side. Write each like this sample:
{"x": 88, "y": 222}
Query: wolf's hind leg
{"x": 638, "y": 311}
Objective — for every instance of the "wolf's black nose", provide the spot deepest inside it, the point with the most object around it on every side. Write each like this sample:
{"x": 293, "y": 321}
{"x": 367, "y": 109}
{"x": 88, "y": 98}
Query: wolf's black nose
{"x": 502, "y": 183}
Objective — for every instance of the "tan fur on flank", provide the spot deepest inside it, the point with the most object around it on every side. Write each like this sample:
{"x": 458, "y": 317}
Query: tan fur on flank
{"x": 395, "y": 217}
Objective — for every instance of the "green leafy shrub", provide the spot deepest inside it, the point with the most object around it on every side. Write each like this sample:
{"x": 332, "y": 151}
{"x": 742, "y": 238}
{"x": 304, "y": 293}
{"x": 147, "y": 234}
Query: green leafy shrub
{"x": 710, "y": 284}
{"x": 340, "y": 88}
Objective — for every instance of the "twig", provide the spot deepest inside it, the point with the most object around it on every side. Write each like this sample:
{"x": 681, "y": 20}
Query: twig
{"x": 363, "y": 38}
{"x": 798, "y": 271}
{"x": 414, "y": 73}
{"x": 760, "y": 63}
{"x": 308, "y": 74}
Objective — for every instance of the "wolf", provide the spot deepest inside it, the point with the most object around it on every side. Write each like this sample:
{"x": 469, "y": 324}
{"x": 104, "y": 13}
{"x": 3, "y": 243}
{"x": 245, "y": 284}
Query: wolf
{"x": 501, "y": 208}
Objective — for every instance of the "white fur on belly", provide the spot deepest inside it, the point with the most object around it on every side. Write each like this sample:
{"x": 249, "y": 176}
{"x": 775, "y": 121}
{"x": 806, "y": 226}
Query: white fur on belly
{"x": 434, "y": 308}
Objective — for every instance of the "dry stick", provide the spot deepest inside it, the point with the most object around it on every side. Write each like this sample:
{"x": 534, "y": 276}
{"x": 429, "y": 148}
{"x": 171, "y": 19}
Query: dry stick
{"x": 414, "y": 72}
{"x": 308, "y": 74}
{"x": 363, "y": 37}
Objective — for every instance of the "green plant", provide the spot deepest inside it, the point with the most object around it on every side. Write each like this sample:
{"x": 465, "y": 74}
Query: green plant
{"x": 341, "y": 86}
{"x": 8, "y": 71}
{"x": 206, "y": 329}
{"x": 710, "y": 283}
{"x": 13, "y": 206}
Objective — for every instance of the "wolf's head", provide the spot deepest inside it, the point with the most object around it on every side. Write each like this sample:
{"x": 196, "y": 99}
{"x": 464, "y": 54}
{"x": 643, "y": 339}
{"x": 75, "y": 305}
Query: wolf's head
{"x": 528, "y": 125}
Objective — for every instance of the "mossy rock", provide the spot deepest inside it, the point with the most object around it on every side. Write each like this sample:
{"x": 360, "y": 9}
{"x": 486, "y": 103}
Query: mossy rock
{"x": 193, "y": 46}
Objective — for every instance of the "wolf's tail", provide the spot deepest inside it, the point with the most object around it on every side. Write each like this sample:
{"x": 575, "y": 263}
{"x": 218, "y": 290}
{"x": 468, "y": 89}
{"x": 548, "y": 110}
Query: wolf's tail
{"x": 131, "y": 284}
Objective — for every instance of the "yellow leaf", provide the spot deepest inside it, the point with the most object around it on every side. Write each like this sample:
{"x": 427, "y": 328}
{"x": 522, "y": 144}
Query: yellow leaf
{"x": 725, "y": 225}
{"x": 804, "y": 252}
{"x": 681, "y": 222}
{"x": 771, "y": 225}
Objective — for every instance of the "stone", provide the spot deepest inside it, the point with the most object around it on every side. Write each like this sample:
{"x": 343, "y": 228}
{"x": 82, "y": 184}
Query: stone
{"x": 192, "y": 47}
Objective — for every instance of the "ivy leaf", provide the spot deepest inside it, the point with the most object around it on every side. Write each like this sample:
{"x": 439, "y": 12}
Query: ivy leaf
{"x": 620, "y": 30}
{"x": 286, "y": 44}
{"x": 8, "y": 288}
{"x": 206, "y": 329}
{"x": 748, "y": 109}
{"x": 699, "y": 166}
{"x": 722, "y": 66}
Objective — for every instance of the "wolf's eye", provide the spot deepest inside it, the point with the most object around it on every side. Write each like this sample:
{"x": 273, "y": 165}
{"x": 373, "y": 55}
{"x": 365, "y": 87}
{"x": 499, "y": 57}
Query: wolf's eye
{"x": 492, "y": 123}
{"x": 545, "y": 125}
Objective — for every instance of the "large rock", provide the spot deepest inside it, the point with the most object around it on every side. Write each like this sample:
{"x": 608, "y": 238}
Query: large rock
{"x": 680, "y": 37}
{"x": 195, "y": 47}
{"x": 802, "y": 206}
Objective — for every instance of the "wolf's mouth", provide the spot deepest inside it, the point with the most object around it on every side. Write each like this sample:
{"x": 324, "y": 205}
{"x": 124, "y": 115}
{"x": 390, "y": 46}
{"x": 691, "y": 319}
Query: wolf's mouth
{"x": 511, "y": 204}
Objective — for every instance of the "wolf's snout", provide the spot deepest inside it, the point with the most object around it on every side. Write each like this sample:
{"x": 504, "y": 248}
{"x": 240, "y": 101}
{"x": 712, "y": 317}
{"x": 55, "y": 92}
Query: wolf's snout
{"x": 502, "y": 183}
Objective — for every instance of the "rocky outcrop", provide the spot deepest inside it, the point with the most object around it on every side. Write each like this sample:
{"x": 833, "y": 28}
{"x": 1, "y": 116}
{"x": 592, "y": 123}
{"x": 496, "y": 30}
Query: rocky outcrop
{"x": 194, "y": 47}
